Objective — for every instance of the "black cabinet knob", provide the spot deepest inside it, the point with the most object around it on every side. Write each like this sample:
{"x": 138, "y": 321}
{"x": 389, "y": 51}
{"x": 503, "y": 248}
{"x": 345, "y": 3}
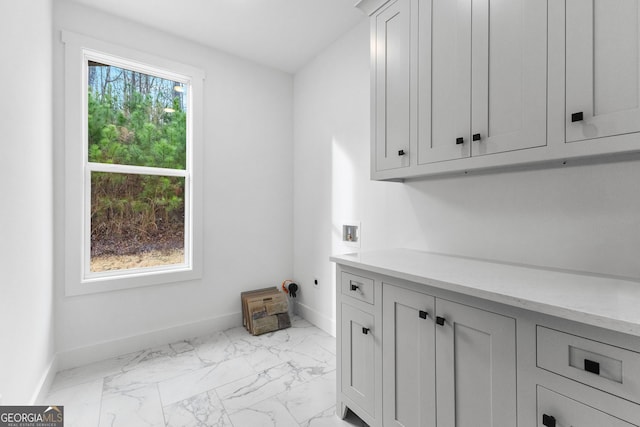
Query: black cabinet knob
{"x": 548, "y": 420}
{"x": 365, "y": 330}
{"x": 591, "y": 366}
{"x": 401, "y": 153}
{"x": 476, "y": 137}
{"x": 459, "y": 141}
{"x": 577, "y": 117}
{"x": 423, "y": 314}
{"x": 440, "y": 320}
{"x": 354, "y": 287}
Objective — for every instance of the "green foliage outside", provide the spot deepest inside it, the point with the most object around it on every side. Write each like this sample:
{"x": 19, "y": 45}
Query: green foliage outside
{"x": 128, "y": 124}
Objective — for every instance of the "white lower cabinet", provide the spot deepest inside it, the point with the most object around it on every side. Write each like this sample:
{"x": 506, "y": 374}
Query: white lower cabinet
{"x": 359, "y": 346}
{"x": 409, "y": 375}
{"x": 609, "y": 368}
{"x": 475, "y": 367}
{"x": 556, "y": 410}
{"x": 590, "y": 382}
{"x": 446, "y": 364}
{"x": 414, "y": 355}
{"x": 358, "y": 357}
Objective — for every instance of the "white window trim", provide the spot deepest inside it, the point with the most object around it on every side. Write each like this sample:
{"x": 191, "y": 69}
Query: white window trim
{"x": 77, "y": 179}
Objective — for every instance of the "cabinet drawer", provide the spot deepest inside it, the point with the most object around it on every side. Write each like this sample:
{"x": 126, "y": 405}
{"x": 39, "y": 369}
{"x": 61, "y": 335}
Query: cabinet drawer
{"x": 557, "y": 410}
{"x": 358, "y": 287}
{"x": 603, "y": 366}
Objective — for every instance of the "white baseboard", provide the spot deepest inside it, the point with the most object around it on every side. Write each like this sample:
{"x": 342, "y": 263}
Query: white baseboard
{"x": 45, "y": 382}
{"x": 323, "y": 322}
{"x": 104, "y": 350}
{"x": 108, "y": 349}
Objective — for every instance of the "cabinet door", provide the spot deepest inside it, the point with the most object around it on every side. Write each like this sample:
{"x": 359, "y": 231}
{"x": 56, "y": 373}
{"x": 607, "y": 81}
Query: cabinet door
{"x": 444, "y": 84}
{"x": 408, "y": 358}
{"x": 482, "y": 70}
{"x": 508, "y": 75}
{"x": 358, "y": 357}
{"x": 392, "y": 81}
{"x": 603, "y": 68}
{"x": 570, "y": 413}
{"x": 476, "y": 367}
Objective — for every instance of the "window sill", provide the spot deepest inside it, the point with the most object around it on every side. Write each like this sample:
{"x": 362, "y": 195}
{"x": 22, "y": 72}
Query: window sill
{"x": 129, "y": 280}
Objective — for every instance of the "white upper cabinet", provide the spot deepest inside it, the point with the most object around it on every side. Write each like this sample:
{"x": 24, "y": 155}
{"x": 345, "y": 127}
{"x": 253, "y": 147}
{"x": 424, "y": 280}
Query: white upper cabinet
{"x": 444, "y": 85}
{"x": 602, "y": 68}
{"x": 391, "y": 77}
{"x": 483, "y": 77}
{"x": 508, "y": 75}
{"x": 465, "y": 85}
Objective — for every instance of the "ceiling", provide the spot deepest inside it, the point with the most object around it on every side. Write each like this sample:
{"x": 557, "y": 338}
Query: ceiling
{"x": 284, "y": 34}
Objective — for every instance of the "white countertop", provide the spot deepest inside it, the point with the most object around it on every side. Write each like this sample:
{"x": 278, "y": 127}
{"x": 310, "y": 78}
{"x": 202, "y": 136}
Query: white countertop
{"x": 599, "y": 301}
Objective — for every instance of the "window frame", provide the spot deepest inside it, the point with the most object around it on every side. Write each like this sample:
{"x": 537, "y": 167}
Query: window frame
{"x": 79, "y": 49}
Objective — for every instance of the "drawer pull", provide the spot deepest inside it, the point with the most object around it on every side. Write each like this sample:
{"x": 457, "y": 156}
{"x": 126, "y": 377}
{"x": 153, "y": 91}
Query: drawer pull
{"x": 577, "y": 117}
{"x": 401, "y": 153}
{"x": 459, "y": 141}
{"x": 354, "y": 287}
{"x": 548, "y": 420}
{"x": 423, "y": 314}
{"x": 476, "y": 137}
{"x": 440, "y": 320}
{"x": 591, "y": 366}
{"x": 365, "y": 331}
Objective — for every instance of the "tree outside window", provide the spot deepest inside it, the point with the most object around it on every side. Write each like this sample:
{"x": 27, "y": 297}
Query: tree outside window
{"x": 137, "y": 168}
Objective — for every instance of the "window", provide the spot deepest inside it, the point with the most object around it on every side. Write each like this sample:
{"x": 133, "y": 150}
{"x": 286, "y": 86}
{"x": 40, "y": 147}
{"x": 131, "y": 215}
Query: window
{"x": 137, "y": 169}
{"x": 133, "y": 168}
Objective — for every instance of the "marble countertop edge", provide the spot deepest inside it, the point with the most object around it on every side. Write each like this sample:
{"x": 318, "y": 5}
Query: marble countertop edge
{"x": 604, "y": 302}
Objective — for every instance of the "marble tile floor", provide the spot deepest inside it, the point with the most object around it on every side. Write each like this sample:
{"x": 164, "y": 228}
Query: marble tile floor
{"x": 231, "y": 378}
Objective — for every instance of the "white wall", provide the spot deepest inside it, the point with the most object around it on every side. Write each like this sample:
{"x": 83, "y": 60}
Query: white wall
{"x": 247, "y": 208}
{"x": 581, "y": 218}
{"x": 26, "y": 217}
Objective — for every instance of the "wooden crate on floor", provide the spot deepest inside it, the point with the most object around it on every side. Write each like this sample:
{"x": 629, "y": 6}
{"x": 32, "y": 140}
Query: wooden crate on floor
{"x": 265, "y": 310}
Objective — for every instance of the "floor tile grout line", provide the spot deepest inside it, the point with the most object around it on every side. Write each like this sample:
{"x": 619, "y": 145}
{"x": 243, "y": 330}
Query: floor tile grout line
{"x": 208, "y": 390}
{"x": 223, "y": 408}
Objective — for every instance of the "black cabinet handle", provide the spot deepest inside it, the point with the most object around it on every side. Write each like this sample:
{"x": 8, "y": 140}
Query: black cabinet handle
{"x": 548, "y": 420}
{"x": 459, "y": 141}
{"x": 577, "y": 117}
{"x": 440, "y": 320}
{"x": 354, "y": 287}
{"x": 591, "y": 366}
{"x": 365, "y": 330}
{"x": 401, "y": 153}
{"x": 423, "y": 314}
{"x": 476, "y": 137}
